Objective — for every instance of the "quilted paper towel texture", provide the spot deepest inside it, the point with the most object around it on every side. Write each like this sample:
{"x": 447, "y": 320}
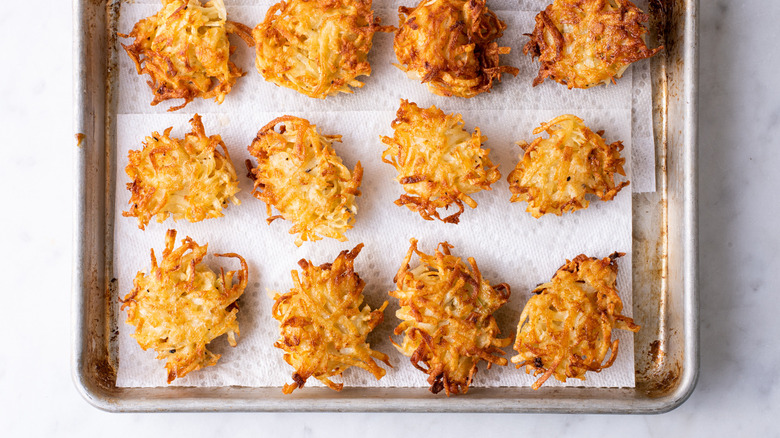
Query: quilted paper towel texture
{"x": 388, "y": 84}
{"x": 508, "y": 244}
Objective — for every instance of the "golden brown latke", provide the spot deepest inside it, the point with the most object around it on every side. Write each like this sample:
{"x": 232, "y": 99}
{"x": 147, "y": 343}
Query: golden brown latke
{"x": 566, "y": 327}
{"x": 182, "y": 305}
{"x": 438, "y": 162}
{"x": 554, "y": 174}
{"x": 299, "y": 173}
{"x": 447, "y": 313}
{"x": 582, "y": 43}
{"x": 188, "y": 178}
{"x": 450, "y": 45}
{"x": 316, "y": 47}
{"x": 185, "y": 51}
{"x": 323, "y": 329}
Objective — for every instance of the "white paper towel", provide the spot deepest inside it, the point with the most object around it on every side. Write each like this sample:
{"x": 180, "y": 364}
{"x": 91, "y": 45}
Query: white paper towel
{"x": 388, "y": 84}
{"x": 508, "y": 244}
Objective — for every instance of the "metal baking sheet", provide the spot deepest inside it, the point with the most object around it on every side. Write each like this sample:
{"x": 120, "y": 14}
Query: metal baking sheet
{"x": 664, "y": 259}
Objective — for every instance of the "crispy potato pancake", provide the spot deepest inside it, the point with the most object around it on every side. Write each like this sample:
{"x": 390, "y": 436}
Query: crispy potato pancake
{"x": 299, "y": 173}
{"x": 565, "y": 329}
{"x": 323, "y": 328}
{"x": 187, "y": 178}
{"x": 450, "y": 45}
{"x": 438, "y": 162}
{"x": 554, "y": 174}
{"x": 582, "y": 43}
{"x": 447, "y": 313}
{"x": 185, "y": 50}
{"x": 182, "y": 305}
{"x": 316, "y": 47}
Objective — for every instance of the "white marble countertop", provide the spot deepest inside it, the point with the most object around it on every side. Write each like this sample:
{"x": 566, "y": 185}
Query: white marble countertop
{"x": 739, "y": 125}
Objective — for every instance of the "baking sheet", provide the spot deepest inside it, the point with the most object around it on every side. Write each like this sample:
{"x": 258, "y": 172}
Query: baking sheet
{"x": 665, "y": 257}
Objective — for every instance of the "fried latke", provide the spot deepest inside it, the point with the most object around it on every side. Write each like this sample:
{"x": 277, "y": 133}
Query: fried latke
{"x": 323, "y": 329}
{"x": 299, "y": 173}
{"x": 438, "y": 162}
{"x": 582, "y": 43}
{"x": 182, "y": 305}
{"x": 316, "y": 47}
{"x": 450, "y": 45}
{"x": 447, "y": 313}
{"x": 185, "y": 51}
{"x": 188, "y": 178}
{"x": 554, "y": 174}
{"x": 566, "y": 327}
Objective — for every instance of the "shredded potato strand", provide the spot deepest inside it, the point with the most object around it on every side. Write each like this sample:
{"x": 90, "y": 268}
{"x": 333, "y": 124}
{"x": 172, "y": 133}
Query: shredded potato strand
{"x": 450, "y": 45}
{"x": 582, "y": 43}
{"x": 438, "y": 162}
{"x": 299, "y": 173}
{"x": 185, "y": 51}
{"x": 316, "y": 47}
{"x": 554, "y": 174}
{"x": 447, "y": 313}
{"x": 323, "y": 329}
{"x": 185, "y": 178}
{"x": 565, "y": 329}
{"x": 182, "y": 305}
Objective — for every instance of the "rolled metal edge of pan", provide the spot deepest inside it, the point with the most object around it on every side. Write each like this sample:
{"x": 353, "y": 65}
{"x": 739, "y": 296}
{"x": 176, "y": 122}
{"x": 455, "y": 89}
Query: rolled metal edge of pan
{"x": 92, "y": 374}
